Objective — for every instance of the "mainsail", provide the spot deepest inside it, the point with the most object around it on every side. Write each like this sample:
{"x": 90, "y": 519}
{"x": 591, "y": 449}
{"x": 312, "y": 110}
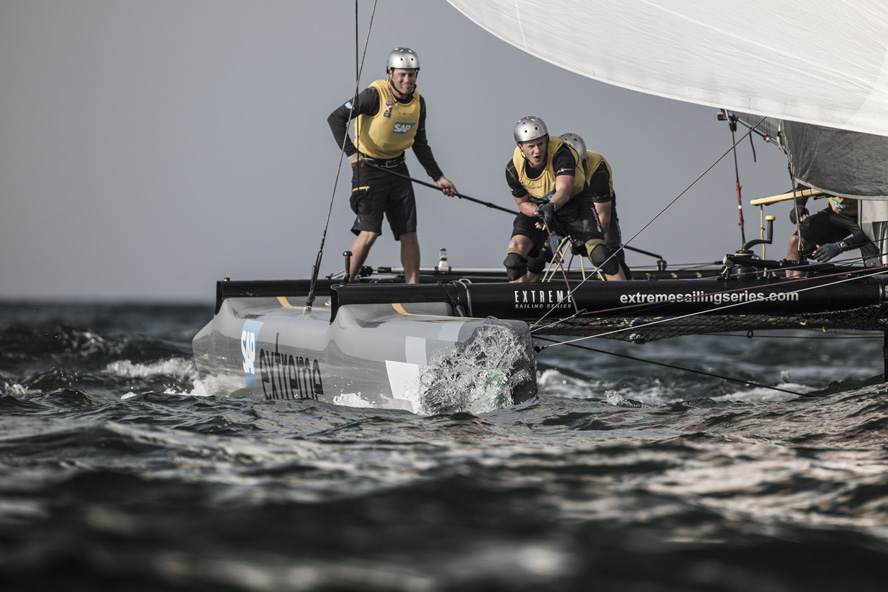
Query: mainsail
{"x": 821, "y": 65}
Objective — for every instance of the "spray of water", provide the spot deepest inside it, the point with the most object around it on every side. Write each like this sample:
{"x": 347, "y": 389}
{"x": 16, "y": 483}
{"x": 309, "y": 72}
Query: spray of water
{"x": 481, "y": 374}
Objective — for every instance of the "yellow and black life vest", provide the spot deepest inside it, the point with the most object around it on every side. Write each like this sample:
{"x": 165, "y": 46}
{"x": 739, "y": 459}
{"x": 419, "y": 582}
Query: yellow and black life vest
{"x": 593, "y": 161}
{"x": 542, "y": 188}
{"x": 843, "y": 205}
{"x": 392, "y": 130}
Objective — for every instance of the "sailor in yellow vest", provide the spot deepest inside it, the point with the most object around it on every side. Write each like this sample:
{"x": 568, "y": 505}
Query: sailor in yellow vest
{"x": 600, "y": 181}
{"x": 548, "y": 182}
{"x": 389, "y": 118}
{"x": 827, "y": 233}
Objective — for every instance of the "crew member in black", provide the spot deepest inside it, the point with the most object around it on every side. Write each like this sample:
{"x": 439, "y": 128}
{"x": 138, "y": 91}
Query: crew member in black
{"x": 389, "y": 118}
{"x": 600, "y": 179}
{"x": 548, "y": 182}
{"x": 827, "y": 233}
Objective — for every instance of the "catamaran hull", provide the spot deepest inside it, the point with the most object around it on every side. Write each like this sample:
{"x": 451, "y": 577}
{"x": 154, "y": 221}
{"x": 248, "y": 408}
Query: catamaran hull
{"x": 440, "y": 348}
{"x": 415, "y": 357}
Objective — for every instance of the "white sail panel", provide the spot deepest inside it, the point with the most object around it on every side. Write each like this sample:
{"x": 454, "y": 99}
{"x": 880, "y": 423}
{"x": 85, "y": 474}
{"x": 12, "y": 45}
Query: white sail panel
{"x": 809, "y": 61}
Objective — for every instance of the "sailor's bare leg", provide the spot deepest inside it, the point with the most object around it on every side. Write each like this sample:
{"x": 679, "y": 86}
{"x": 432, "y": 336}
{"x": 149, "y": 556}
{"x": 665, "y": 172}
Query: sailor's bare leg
{"x": 410, "y": 257}
{"x": 360, "y": 249}
{"x": 792, "y": 254}
{"x": 618, "y": 277}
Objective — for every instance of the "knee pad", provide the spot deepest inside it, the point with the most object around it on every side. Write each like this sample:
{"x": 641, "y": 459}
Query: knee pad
{"x": 600, "y": 256}
{"x": 516, "y": 265}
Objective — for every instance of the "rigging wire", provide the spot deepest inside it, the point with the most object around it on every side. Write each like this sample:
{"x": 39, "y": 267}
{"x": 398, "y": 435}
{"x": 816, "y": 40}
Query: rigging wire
{"x": 732, "y": 125}
{"x": 674, "y": 367}
{"x": 795, "y": 204}
{"x": 359, "y": 67}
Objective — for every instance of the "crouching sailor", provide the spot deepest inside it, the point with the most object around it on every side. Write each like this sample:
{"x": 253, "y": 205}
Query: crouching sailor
{"x": 548, "y": 182}
{"x": 600, "y": 180}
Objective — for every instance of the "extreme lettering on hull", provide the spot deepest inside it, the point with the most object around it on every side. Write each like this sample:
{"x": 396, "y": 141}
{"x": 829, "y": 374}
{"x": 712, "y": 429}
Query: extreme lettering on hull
{"x": 285, "y": 376}
{"x": 530, "y": 299}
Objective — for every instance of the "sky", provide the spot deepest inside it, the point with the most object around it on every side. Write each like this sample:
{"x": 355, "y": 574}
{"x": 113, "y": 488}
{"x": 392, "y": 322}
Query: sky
{"x": 149, "y": 148}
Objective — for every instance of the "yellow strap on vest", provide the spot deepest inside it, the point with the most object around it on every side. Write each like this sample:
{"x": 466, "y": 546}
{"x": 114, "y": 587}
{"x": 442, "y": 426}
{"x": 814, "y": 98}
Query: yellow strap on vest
{"x": 543, "y": 187}
{"x": 592, "y": 244}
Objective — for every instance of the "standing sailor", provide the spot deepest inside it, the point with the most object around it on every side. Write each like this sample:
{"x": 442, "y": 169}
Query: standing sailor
{"x": 389, "y": 118}
{"x": 548, "y": 182}
{"x": 600, "y": 182}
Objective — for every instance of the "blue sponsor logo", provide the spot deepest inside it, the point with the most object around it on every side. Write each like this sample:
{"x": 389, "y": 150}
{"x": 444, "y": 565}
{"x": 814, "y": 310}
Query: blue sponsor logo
{"x": 249, "y": 337}
{"x": 403, "y": 128}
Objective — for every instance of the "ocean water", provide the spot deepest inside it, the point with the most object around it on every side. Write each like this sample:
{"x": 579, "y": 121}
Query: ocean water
{"x": 118, "y": 472}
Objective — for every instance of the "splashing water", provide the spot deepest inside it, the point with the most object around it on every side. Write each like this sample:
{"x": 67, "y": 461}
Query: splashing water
{"x": 481, "y": 374}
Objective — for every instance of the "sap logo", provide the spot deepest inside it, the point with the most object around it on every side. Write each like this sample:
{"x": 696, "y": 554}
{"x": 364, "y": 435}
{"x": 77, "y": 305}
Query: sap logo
{"x": 249, "y": 337}
{"x": 403, "y": 128}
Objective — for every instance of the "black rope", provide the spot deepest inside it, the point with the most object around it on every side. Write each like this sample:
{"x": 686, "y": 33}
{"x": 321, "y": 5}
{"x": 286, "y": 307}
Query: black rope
{"x": 359, "y": 66}
{"x": 673, "y": 367}
{"x": 433, "y": 186}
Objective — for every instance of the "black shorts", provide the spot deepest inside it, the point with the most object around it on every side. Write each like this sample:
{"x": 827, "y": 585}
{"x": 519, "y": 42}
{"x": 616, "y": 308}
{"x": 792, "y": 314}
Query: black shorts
{"x": 577, "y": 219}
{"x": 376, "y": 192}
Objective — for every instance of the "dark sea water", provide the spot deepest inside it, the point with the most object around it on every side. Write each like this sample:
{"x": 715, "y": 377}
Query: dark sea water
{"x": 117, "y": 472}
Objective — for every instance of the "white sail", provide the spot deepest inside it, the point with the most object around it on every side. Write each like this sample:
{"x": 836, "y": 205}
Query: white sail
{"x": 808, "y": 61}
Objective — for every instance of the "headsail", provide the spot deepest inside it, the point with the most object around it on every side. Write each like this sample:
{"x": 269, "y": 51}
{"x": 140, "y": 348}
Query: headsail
{"x": 823, "y": 65}
{"x": 835, "y": 161}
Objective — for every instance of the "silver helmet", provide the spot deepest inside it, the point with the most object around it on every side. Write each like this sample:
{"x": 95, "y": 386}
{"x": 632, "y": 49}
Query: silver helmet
{"x": 576, "y": 142}
{"x": 530, "y": 128}
{"x": 402, "y": 57}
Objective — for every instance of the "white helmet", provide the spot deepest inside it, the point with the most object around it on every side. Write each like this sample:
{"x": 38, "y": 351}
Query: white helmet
{"x": 530, "y": 128}
{"x": 576, "y": 142}
{"x": 402, "y": 57}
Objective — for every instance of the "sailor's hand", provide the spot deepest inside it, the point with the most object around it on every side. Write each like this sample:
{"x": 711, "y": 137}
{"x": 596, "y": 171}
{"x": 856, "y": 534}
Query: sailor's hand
{"x": 446, "y": 187}
{"x": 826, "y": 252}
{"x": 803, "y": 213}
{"x": 356, "y": 158}
{"x": 546, "y": 212}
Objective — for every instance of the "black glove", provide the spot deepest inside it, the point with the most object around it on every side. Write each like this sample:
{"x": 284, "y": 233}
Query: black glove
{"x": 546, "y": 212}
{"x": 803, "y": 211}
{"x": 828, "y": 251}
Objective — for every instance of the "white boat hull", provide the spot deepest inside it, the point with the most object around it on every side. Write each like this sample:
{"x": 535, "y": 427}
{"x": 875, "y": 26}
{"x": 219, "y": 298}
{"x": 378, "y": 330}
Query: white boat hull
{"x": 416, "y": 357}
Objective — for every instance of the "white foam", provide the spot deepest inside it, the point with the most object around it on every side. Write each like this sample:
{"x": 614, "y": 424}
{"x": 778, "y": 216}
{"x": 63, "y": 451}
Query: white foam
{"x": 767, "y": 395}
{"x": 177, "y": 367}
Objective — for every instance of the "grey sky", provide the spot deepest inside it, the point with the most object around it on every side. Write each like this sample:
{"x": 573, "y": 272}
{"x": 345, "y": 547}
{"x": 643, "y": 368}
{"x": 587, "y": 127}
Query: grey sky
{"x": 149, "y": 148}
